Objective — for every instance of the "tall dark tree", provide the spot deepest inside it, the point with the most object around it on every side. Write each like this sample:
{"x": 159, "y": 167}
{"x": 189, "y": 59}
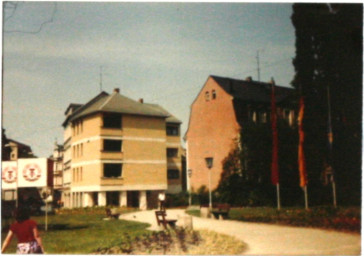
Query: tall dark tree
{"x": 246, "y": 176}
{"x": 329, "y": 59}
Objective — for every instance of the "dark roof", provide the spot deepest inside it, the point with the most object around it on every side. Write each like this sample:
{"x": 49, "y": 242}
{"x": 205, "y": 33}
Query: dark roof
{"x": 116, "y": 103}
{"x": 170, "y": 119}
{"x": 18, "y": 143}
{"x": 253, "y": 91}
{"x": 72, "y": 105}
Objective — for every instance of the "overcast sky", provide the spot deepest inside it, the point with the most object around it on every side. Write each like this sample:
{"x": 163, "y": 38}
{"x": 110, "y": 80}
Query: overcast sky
{"x": 162, "y": 52}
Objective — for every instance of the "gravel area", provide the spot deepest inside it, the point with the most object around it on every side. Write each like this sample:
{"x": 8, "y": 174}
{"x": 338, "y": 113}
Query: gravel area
{"x": 267, "y": 238}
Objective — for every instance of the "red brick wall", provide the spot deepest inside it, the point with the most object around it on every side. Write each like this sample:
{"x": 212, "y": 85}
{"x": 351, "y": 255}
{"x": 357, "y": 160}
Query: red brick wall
{"x": 211, "y": 133}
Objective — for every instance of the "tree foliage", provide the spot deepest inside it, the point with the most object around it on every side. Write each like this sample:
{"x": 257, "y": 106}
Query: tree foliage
{"x": 246, "y": 176}
{"x": 329, "y": 59}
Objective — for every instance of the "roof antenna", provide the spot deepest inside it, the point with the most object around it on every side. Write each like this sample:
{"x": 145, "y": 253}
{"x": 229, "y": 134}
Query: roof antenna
{"x": 100, "y": 78}
{"x": 258, "y": 68}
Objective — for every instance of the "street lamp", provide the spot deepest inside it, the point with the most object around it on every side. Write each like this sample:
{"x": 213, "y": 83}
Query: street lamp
{"x": 189, "y": 173}
{"x": 209, "y": 163}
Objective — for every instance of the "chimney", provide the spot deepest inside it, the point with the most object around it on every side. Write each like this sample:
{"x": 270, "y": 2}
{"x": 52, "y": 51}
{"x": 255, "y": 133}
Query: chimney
{"x": 248, "y": 79}
{"x": 141, "y": 100}
{"x": 117, "y": 90}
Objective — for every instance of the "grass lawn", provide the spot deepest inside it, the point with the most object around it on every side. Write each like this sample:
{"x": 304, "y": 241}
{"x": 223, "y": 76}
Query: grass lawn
{"x": 341, "y": 218}
{"x": 80, "y": 232}
{"x": 84, "y": 231}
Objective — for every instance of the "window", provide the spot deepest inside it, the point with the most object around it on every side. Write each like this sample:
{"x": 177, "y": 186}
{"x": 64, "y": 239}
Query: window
{"x": 172, "y": 152}
{"x": 172, "y": 130}
{"x": 112, "y": 170}
{"x": 173, "y": 174}
{"x": 286, "y": 113}
{"x": 112, "y": 145}
{"x": 112, "y": 120}
{"x": 263, "y": 117}
{"x": 77, "y": 127}
{"x": 254, "y": 116}
{"x": 8, "y": 195}
{"x": 213, "y": 94}
{"x": 207, "y": 96}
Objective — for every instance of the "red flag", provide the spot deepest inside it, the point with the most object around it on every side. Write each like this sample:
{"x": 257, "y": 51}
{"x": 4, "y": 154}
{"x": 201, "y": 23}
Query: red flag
{"x": 301, "y": 155}
{"x": 275, "y": 174}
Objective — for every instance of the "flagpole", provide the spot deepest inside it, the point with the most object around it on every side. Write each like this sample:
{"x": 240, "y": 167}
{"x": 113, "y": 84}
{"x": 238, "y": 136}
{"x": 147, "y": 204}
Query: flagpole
{"x": 330, "y": 137}
{"x": 306, "y": 197}
{"x": 334, "y": 192}
{"x": 274, "y": 167}
{"x": 278, "y": 198}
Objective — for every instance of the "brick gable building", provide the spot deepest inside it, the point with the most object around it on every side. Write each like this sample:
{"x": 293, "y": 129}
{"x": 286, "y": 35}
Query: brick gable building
{"x": 217, "y": 115}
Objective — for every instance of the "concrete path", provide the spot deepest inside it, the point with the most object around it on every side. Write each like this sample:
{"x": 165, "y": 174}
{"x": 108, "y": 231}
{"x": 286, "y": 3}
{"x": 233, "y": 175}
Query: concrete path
{"x": 268, "y": 238}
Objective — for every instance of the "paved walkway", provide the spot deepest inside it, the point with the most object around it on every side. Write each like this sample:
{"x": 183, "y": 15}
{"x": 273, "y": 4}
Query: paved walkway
{"x": 267, "y": 238}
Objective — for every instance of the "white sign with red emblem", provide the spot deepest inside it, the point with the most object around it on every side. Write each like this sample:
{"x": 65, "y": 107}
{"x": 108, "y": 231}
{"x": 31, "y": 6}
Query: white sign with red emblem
{"x": 32, "y": 172}
{"x": 9, "y": 174}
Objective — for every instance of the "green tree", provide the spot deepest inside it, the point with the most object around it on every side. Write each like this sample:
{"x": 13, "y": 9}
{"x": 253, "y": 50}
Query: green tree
{"x": 246, "y": 176}
{"x": 329, "y": 56}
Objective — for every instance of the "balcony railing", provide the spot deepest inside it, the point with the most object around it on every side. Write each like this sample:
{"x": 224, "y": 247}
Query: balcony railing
{"x": 111, "y": 181}
{"x": 112, "y": 155}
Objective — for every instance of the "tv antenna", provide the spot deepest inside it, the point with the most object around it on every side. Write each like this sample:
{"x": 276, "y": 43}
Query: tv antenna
{"x": 100, "y": 78}
{"x": 258, "y": 67}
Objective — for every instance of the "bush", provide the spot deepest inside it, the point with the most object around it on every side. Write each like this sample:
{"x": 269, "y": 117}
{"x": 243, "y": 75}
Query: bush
{"x": 345, "y": 219}
{"x": 177, "y": 200}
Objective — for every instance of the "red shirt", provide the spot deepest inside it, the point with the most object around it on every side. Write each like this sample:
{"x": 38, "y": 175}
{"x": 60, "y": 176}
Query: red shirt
{"x": 24, "y": 230}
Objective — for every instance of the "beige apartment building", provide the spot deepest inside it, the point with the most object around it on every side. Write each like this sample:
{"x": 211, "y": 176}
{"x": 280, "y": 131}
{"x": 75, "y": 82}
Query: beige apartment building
{"x": 118, "y": 151}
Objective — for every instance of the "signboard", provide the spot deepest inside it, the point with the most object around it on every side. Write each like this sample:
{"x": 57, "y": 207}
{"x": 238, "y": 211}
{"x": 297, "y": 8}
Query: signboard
{"x": 27, "y": 172}
{"x": 33, "y": 172}
{"x": 9, "y": 174}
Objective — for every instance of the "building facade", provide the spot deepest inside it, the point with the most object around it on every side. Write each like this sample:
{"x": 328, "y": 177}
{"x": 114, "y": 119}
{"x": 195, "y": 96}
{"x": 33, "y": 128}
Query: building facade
{"x": 17, "y": 150}
{"x": 217, "y": 116}
{"x": 116, "y": 152}
{"x": 57, "y": 159}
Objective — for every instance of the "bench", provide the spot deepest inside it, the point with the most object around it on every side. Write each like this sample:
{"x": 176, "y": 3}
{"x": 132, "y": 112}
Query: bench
{"x": 112, "y": 214}
{"x": 220, "y": 210}
{"x": 161, "y": 219}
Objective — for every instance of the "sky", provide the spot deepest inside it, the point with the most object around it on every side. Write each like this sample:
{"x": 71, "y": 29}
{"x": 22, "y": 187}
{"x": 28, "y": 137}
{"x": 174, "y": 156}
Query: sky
{"x": 58, "y": 53}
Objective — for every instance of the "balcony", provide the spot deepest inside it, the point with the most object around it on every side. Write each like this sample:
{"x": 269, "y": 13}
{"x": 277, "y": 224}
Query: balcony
{"x": 106, "y": 181}
{"x": 107, "y": 131}
{"x": 112, "y": 155}
{"x": 57, "y": 173}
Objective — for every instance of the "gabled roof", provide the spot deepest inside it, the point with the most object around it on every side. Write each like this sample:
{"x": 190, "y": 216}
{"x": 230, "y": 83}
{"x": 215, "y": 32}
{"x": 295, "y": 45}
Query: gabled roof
{"x": 19, "y": 144}
{"x": 249, "y": 90}
{"x": 170, "y": 119}
{"x": 72, "y": 106}
{"x": 246, "y": 90}
{"x": 116, "y": 103}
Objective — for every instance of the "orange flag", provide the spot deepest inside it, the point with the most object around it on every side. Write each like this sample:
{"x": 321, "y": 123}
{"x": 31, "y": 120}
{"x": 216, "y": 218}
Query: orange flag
{"x": 301, "y": 155}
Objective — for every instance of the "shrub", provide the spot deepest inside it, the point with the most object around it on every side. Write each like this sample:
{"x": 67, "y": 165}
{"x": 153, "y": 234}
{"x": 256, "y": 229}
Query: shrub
{"x": 177, "y": 200}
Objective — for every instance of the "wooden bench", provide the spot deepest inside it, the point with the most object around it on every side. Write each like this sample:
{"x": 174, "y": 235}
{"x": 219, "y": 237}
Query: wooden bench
{"x": 161, "y": 219}
{"x": 220, "y": 210}
{"x": 112, "y": 214}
